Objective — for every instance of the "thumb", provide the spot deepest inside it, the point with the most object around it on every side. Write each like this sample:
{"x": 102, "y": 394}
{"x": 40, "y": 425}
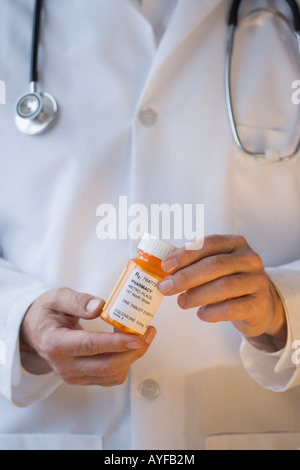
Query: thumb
{"x": 74, "y": 303}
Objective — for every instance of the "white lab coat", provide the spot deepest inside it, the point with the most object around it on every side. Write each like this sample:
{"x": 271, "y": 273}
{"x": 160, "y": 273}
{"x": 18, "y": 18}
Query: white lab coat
{"x": 99, "y": 58}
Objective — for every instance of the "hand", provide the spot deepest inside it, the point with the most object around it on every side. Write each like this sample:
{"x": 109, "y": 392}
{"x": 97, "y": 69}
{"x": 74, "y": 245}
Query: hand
{"x": 227, "y": 281}
{"x": 51, "y": 328}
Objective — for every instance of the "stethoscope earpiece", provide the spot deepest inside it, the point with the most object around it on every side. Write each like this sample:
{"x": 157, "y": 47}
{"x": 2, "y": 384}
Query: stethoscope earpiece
{"x": 273, "y": 155}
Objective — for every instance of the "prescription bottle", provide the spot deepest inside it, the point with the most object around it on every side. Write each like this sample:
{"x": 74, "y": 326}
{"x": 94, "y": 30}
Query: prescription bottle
{"x": 136, "y": 298}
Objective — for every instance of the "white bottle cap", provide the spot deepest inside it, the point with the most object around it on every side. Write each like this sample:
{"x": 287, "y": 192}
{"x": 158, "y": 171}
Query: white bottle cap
{"x": 154, "y": 246}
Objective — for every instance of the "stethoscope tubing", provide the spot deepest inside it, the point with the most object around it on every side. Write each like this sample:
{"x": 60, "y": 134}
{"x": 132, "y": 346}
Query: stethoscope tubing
{"x": 41, "y": 118}
{"x": 234, "y": 13}
{"x": 35, "y": 41}
{"x": 232, "y": 27}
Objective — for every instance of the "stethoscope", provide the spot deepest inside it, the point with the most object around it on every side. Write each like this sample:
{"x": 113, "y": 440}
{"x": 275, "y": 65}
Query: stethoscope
{"x": 268, "y": 154}
{"x": 36, "y": 112}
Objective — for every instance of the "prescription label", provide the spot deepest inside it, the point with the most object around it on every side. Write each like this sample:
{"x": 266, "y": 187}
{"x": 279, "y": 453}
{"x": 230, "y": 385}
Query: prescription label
{"x": 137, "y": 302}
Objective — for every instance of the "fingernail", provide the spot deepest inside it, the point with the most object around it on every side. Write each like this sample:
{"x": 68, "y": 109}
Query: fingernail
{"x": 133, "y": 345}
{"x": 93, "y": 305}
{"x": 166, "y": 285}
{"x": 181, "y": 301}
{"x": 169, "y": 265}
{"x": 150, "y": 336}
{"x": 200, "y": 312}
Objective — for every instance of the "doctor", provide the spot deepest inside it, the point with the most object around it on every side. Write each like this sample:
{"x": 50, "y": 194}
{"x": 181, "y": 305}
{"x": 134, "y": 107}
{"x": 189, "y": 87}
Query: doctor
{"x": 142, "y": 113}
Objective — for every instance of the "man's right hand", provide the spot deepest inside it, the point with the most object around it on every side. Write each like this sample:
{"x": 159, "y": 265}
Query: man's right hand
{"x": 51, "y": 328}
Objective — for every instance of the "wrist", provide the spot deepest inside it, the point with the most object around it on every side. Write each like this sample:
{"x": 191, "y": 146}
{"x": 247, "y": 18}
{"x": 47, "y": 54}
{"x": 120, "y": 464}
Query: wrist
{"x": 24, "y": 340}
{"x": 28, "y": 329}
{"x": 30, "y": 359}
{"x": 278, "y": 328}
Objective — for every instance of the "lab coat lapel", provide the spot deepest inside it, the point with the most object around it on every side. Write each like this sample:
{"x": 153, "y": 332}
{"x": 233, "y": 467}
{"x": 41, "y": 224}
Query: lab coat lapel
{"x": 187, "y": 16}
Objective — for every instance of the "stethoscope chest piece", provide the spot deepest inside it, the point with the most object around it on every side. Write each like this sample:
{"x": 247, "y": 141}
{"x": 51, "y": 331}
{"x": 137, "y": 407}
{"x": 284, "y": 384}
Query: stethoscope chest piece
{"x": 35, "y": 112}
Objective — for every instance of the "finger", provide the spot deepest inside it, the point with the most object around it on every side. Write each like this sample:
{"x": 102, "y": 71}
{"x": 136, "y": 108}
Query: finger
{"x": 106, "y": 365}
{"x": 87, "y": 343}
{"x": 107, "y": 382}
{"x": 204, "y": 271}
{"x": 100, "y": 381}
{"x": 225, "y": 288}
{"x": 89, "y": 380}
{"x": 74, "y": 303}
{"x": 213, "y": 245}
{"x": 230, "y": 310}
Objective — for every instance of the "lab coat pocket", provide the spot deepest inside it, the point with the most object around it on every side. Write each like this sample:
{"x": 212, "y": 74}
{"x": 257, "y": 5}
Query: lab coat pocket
{"x": 267, "y": 197}
{"x": 254, "y": 441}
{"x": 50, "y": 442}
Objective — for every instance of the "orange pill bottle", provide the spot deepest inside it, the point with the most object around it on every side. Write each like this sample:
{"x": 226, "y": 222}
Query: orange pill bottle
{"x": 136, "y": 298}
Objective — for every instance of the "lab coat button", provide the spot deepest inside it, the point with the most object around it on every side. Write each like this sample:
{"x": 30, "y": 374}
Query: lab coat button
{"x": 148, "y": 117}
{"x": 149, "y": 389}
